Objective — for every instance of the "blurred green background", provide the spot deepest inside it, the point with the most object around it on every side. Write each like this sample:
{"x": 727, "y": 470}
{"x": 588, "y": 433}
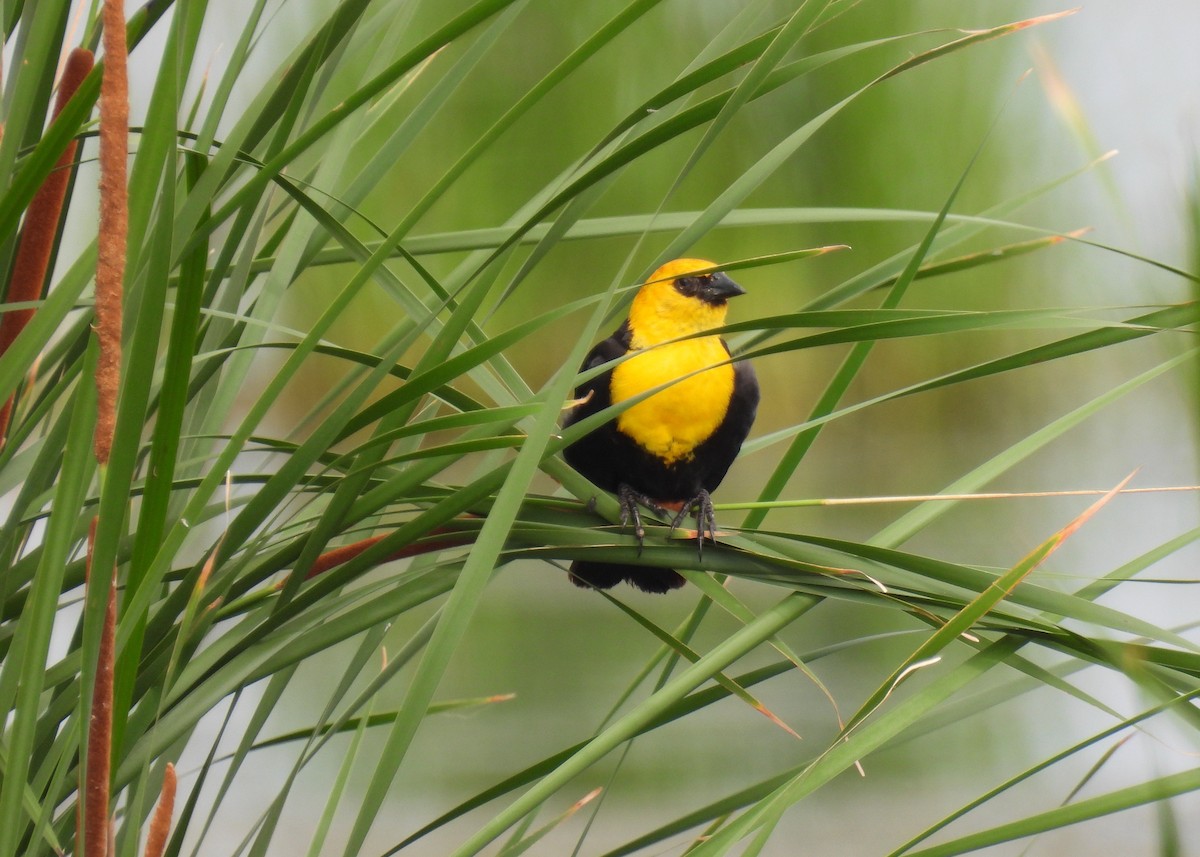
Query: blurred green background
{"x": 1133, "y": 74}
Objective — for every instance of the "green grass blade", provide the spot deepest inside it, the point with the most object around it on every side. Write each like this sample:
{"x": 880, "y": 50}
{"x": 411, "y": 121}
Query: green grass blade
{"x": 1085, "y": 810}
{"x": 767, "y": 624}
{"x": 37, "y": 619}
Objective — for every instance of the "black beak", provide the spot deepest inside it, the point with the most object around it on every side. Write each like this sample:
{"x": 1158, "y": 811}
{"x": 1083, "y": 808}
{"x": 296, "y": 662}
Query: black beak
{"x": 719, "y": 289}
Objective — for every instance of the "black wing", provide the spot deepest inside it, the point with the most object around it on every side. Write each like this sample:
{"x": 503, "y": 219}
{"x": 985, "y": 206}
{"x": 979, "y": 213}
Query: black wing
{"x": 596, "y": 454}
{"x": 717, "y": 453}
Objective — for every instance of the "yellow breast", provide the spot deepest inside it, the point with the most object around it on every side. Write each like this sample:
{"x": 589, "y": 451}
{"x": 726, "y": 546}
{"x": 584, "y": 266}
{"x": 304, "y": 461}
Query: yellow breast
{"x": 673, "y": 422}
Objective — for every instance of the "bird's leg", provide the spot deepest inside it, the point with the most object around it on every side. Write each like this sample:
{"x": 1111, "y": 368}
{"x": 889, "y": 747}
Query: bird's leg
{"x": 706, "y": 522}
{"x": 630, "y": 499}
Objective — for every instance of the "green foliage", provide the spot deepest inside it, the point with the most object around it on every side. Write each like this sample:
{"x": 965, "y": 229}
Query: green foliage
{"x": 368, "y": 249}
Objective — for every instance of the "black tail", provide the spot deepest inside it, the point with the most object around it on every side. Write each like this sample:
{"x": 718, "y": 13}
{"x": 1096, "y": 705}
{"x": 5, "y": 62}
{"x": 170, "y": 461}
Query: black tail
{"x": 602, "y": 575}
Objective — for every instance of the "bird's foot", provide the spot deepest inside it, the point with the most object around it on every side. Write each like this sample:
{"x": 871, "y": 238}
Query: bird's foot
{"x": 701, "y": 507}
{"x": 630, "y": 500}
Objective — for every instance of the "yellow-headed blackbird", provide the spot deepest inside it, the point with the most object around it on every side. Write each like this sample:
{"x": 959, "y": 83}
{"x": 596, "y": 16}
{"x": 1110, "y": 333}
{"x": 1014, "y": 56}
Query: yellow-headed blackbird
{"x": 669, "y": 450}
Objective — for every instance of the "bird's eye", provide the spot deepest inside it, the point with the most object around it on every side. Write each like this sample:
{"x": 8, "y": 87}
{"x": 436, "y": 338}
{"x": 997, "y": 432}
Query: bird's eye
{"x": 694, "y": 285}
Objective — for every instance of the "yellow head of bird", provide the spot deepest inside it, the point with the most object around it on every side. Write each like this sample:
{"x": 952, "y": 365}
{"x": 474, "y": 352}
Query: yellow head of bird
{"x": 676, "y": 302}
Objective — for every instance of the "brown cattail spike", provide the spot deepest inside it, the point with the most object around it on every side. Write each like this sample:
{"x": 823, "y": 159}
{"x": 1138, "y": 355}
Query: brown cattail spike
{"x": 114, "y": 223}
{"x": 160, "y": 822}
{"x": 41, "y": 225}
{"x": 99, "y": 750}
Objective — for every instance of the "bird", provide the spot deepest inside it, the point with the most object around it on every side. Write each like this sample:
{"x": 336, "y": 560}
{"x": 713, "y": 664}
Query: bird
{"x": 670, "y": 450}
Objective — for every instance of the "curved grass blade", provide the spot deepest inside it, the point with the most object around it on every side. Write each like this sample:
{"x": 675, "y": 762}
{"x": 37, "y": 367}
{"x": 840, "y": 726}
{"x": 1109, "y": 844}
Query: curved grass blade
{"x": 1158, "y": 789}
{"x": 858, "y": 745}
{"x": 466, "y": 21}
{"x": 836, "y": 757}
{"x": 522, "y": 845}
{"x": 768, "y": 623}
{"x": 685, "y": 651}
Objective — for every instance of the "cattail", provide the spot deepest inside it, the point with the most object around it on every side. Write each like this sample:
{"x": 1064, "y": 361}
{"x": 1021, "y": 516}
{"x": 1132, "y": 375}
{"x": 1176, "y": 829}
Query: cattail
{"x": 110, "y": 273}
{"x": 41, "y": 225}
{"x": 99, "y": 751}
{"x": 160, "y": 822}
{"x": 114, "y": 223}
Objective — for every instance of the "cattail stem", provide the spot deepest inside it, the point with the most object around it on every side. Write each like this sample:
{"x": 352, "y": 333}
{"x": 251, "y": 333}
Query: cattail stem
{"x": 114, "y": 223}
{"x": 160, "y": 822}
{"x": 98, "y": 771}
{"x": 41, "y": 225}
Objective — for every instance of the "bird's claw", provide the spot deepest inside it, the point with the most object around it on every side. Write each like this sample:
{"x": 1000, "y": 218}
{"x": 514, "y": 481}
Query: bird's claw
{"x": 629, "y": 512}
{"x": 630, "y": 500}
{"x": 701, "y": 507}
